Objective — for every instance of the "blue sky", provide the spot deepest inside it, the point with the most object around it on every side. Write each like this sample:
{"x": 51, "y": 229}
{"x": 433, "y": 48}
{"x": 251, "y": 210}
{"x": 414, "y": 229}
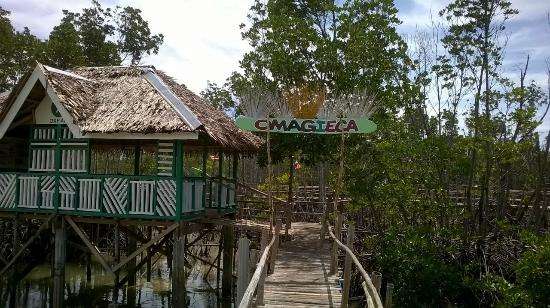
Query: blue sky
{"x": 203, "y": 42}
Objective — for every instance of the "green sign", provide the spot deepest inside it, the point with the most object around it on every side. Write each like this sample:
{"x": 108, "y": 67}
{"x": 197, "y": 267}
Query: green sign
{"x": 307, "y": 126}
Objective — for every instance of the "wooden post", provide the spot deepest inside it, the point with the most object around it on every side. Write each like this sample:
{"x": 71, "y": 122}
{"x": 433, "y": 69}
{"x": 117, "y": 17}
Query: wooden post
{"x": 323, "y": 199}
{"x": 15, "y": 234}
{"x": 131, "y": 269}
{"x": 227, "y": 275}
{"x": 88, "y": 267}
{"x": 243, "y": 271}
{"x": 347, "y": 267}
{"x": 275, "y": 248}
{"x": 179, "y": 279}
{"x": 389, "y": 295}
{"x": 149, "y": 254}
{"x": 338, "y": 235}
{"x": 377, "y": 281}
{"x": 117, "y": 260}
{"x": 260, "y": 289}
{"x": 58, "y": 297}
{"x": 290, "y": 198}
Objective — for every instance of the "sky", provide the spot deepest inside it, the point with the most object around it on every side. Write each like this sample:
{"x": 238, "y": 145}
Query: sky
{"x": 203, "y": 41}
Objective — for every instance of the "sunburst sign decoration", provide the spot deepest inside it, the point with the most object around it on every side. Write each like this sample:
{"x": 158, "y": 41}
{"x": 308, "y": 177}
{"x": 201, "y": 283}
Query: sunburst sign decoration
{"x": 307, "y": 110}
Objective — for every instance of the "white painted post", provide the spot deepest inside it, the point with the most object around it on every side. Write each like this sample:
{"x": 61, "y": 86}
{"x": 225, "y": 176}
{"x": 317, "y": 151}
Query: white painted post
{"x": 243, "y": 271}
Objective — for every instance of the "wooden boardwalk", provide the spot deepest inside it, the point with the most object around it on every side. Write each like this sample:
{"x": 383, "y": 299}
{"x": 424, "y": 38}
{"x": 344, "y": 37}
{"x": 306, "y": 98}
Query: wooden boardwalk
{"x": 301, "y": 277}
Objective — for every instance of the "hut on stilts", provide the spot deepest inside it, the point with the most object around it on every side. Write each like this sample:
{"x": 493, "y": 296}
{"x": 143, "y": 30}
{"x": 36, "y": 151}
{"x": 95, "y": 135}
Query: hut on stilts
{"x": 116, "y": 145}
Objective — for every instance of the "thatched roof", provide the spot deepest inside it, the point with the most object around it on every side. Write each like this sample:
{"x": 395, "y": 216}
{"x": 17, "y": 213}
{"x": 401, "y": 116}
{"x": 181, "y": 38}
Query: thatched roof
{"x": 125, "y": 100}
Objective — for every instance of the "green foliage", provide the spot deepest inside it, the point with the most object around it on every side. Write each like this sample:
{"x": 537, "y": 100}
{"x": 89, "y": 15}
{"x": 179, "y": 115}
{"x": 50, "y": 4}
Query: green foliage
{"x": 417, "y": 265}
{"x": 18, "y": 51}
{"x": 64, "y": 45}
{"x": 96, "y": 36}
{"x": 533, "y": 270}
{"x": 220, "y": 97}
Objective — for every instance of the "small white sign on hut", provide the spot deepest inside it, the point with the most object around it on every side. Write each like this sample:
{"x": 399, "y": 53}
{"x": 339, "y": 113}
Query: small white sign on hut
{"x": 47, "y": 113}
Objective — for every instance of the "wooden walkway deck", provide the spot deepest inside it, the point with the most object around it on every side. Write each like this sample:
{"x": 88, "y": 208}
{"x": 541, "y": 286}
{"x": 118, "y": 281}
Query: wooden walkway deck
{"x": 301, "y": 277}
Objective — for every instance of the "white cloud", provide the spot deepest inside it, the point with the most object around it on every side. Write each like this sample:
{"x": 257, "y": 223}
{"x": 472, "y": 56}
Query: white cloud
{"x": 202, "y": 38}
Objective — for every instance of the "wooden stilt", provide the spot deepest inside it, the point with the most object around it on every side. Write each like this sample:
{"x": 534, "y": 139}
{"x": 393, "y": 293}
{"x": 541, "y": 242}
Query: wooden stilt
{"x": 338, "y": 234}
{"x": 243, "y": 271}
{"x": 290, "y": 198}
{"x": 260, "y": 290}
{"x": 323, "y": 199}
{"x": 377, "y": 281}
{"x": 347, "y": 267}
{"x": 227, "y": 275}
{"x": 117, "y": 259}
{"x": 275, "y": 248}
{"x": 179, "y": 278}
{"x": 88, "y": 268}
{"x": 389, "y": 296}
{"x": 149, "y": 255}
{"x": 15, "y": 234}
{"x": 58, "y": 297}
{"x": 131, "y": 269}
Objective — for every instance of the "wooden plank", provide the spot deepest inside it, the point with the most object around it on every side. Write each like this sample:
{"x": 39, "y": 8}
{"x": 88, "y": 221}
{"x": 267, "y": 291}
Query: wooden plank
{"x": 301, "y": 277}
{"x": 93, "y": 249}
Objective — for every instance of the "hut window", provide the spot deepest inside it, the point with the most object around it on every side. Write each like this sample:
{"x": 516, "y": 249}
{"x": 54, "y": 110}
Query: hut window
{"x": 193, "y": 164}
{"x": 112, "y": 160}
{"x": 119, "y": 159}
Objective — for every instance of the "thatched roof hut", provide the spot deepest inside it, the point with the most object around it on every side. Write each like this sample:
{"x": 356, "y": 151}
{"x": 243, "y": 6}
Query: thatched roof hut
{"x": 133, "y": 100}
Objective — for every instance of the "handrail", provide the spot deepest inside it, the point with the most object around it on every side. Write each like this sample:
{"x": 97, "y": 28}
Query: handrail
{"x": 260, "y": 192}
{"x": 373, "y": 293}
{"x": 247, "y": 297}
{"x": 260, "y": 268}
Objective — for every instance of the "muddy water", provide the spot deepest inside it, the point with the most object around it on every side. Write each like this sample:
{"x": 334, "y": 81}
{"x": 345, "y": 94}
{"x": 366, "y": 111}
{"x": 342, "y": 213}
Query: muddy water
{"x": 34, "y": 290}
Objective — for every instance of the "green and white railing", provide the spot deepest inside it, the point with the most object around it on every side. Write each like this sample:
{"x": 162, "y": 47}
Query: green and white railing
{"x": 117, "y": 196}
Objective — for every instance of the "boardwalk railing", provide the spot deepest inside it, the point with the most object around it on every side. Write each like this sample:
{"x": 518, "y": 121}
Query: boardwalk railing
{"x": 258, "y": 279}
{"x": 371, "y": 293}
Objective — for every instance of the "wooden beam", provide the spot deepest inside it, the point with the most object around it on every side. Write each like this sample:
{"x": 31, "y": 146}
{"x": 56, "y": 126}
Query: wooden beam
{"x": 145, "y": 246}
{"x": 93, "y": 249}
{"x": 29, "y": 241}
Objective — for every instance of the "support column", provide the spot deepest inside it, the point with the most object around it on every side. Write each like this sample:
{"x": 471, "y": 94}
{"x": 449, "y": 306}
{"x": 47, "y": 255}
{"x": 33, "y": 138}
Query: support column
{"x": 131, "y": 268}
{"x": 290, "y": 198}
{"x": 58, "y": 297}
{"x": 179, "y": 278}
{"x": 15, "y": 234}
{"x": 347, "y": 267}
{"x": 117, "y": 260}
{"x": 149, "y": 255}
{"x": 323, "y": 199}
{"x": 227, "y": 275}
{"x": 243, "y": 273}
{"x": 338, "y": 235}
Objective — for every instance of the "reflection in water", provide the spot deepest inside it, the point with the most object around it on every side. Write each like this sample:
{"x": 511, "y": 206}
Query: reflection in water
{"x": 34, "y": 290}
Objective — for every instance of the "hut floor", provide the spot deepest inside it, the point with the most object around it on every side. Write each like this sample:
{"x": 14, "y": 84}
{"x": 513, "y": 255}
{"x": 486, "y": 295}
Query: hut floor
{"x": 301, "y": 277}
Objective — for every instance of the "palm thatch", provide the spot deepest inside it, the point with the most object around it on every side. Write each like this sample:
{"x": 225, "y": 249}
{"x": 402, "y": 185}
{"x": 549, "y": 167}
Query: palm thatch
{"x": 122, "y": 100}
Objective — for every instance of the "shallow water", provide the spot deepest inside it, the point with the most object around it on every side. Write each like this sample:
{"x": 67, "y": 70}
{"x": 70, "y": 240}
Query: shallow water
{"x": 34, "y": 290}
